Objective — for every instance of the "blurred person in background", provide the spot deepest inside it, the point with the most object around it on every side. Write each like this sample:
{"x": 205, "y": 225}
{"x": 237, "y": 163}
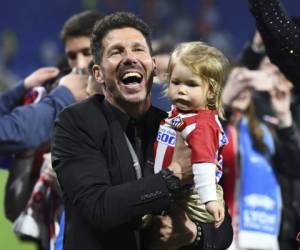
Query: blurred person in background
{"x": 26, "y": 130}
{"x": 31, "y": 125}
{"x": 270, "y": 146}
{"x": 162, "y": 49}
{"x": 75, "y": 35}
{"x": 254, "y": 57}
{"x": 8, "y": 49}
{"x": 281, "y": 36}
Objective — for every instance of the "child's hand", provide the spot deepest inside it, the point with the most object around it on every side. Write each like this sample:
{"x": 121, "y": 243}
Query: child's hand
{"x": 217, "y": 210}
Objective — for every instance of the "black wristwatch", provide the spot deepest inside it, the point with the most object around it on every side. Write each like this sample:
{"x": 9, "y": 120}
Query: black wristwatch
{"x": 172, "y": 181}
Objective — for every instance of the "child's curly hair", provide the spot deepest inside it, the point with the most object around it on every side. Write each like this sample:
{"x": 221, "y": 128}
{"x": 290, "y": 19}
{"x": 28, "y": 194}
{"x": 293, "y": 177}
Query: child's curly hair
{"x": 209, "y": 64}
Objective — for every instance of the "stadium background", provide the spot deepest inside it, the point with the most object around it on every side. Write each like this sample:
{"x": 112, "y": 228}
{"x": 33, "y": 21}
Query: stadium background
{"x": 29, "y": 38}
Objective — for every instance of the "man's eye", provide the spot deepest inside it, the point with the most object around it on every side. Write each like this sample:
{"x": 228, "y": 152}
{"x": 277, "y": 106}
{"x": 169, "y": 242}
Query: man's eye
{"x": 86, "y": 52}
{"x": 139, "y": 49}
{"x": 114, "y": 52}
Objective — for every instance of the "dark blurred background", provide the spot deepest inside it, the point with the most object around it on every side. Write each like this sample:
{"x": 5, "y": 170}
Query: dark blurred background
{"x": 29, "y": 30}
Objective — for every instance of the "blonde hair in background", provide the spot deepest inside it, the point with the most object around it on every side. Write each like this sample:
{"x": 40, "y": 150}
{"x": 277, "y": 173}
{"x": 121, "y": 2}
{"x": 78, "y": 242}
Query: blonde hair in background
{"x": 209, "y": 64}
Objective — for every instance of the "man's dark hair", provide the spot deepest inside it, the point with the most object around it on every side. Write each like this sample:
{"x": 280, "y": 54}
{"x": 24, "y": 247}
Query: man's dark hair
{"x": 114, "y": 21}
{"x": 90, "y": 68}
{"x": 80, "y": 24}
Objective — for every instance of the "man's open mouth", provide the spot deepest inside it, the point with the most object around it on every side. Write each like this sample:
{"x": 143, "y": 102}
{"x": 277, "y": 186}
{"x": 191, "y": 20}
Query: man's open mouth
{"x": 132, "y": 78}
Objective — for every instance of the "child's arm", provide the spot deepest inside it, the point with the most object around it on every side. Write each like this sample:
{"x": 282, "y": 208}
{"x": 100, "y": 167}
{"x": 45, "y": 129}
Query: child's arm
{"x": 205, "y": 184}
{"x": 205, "y": 181}
{"x": 216, "y": 209}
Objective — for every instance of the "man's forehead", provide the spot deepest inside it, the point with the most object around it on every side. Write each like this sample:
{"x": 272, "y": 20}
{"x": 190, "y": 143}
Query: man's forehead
{"x": 125, "y": 35}
{"x": 77, "y": 43}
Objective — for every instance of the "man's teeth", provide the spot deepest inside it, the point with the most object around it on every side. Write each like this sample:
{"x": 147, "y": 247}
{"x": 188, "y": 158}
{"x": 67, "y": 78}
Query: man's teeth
{"x": 131, "y": 74}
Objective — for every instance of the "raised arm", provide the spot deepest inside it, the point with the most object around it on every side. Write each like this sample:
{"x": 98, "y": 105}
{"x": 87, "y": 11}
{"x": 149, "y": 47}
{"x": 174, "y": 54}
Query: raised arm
{"x": 281, "y": 36}
{"x": 11, "y": 98}
{"x": 31, "y": 125}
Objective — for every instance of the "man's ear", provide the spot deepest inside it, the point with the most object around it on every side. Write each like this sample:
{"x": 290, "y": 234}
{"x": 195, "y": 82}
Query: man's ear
{"x": 154, "y": 66}
{"x": 97, "y": 72}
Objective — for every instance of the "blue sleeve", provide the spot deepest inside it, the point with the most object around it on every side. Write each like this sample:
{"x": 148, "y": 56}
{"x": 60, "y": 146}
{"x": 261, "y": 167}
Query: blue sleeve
{"x": 11, "y": 98}
{"x": 60, "y": 238}
{"x": 31, "y": 125}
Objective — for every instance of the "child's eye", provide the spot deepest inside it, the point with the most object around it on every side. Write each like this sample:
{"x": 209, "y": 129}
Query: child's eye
{"x": 192, "y": 84}
{"x": 174, "y": 82}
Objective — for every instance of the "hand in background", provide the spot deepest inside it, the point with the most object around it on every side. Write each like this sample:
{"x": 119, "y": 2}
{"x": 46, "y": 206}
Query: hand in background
{"x": 238, "y": 81}
{"x": 38, "y": 77}
{"x": 281, "y": 101}
{"x": 257, "y": 43}
{"x": 280, "y": 93}
{"x": 76, "y": 84}
{"x": 241, "y": 82}
{"x": 260, "y": 80}
{"x": 50, "y": 175}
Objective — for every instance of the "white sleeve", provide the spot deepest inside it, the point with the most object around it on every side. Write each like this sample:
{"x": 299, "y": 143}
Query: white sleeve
{"x": 205, "y": 181}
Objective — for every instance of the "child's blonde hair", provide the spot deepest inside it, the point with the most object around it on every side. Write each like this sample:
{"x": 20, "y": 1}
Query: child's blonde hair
{"x": 208, "y": 63}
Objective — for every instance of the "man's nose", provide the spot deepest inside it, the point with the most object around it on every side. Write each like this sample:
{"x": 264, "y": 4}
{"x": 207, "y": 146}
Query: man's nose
{"x": 129, "y": 58}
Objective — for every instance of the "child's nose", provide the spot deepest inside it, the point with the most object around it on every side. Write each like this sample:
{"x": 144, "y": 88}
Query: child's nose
{"x": 182, "y": 90}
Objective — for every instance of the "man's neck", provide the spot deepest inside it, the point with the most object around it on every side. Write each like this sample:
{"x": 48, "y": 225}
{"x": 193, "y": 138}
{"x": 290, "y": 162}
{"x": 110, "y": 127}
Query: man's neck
{"x": 134, "y": 110}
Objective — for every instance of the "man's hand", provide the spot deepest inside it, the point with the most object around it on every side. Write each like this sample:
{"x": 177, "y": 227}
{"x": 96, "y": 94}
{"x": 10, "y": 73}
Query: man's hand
{"x": 76, "y": 84}
{"x": 50, "y": 175}
{"x": 181, "y": 161}
{"x": 38, "y": 77}
{"x": 174, "y": 230}
{"x": 217, "y": 211}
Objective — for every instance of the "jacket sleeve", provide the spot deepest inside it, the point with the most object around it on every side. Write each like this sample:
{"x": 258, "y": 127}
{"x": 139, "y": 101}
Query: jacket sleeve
{"x": 280, "y": 34}
{"x": 31, "y": 125}
{"x": 249, "y": 58}
{"x": 11, "y": 98}
{"x": 287, "y": 158}
{"x": 83, "y": 173}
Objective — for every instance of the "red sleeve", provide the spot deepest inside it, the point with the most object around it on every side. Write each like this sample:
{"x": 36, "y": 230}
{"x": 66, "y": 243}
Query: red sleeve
{"x": 204, "y": 142}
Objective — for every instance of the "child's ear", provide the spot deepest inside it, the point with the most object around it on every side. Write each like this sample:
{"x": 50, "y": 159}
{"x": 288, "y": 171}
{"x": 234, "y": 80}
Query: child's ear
{"x": 210, "y": 94}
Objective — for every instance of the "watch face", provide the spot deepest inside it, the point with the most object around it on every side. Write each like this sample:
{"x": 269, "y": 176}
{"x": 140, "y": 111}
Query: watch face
{"x": 174, "y": 183}
{"x": 174, "y": 186}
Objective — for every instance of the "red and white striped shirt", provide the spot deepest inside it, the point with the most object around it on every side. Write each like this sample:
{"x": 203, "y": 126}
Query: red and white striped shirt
{"x": 203, "y": 133}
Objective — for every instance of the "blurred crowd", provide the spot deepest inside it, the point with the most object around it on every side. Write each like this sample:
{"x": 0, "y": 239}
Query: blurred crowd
{"x": 261, "y": 99}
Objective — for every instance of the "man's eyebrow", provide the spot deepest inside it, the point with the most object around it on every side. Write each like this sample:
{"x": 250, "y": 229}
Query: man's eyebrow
{"x": 114, "y": 46}
{"x": 138, "y": 44}
{"x": 78, "y": 50}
